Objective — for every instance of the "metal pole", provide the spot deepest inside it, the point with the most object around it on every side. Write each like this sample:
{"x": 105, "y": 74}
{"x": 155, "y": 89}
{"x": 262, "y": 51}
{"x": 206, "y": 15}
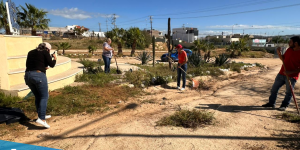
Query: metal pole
{"x": 151, "y": 25}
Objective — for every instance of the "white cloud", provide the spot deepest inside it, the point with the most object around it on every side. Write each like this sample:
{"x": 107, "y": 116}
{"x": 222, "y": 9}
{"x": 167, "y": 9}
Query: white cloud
{"x": 210, "y": 32}
{"x": 72, "y": 13}
{"x": 105, "y": 15}
{"x": 75, "y": 13}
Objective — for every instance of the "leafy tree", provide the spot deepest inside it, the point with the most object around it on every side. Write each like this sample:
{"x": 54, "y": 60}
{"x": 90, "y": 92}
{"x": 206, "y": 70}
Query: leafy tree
{"x": 148, "y": 38}
{"x": 279, "y": 39}
{"x": 92, "y": 49}
{"x": 205, "y": 46}
{"x": 118, "y": 36}
{"x": 64, "y": 46}
{"x": 215, "y": 40}
{"x": 3, "y": 18}
{"x": 33, "y": 18}
{"x": 134, "y": 37}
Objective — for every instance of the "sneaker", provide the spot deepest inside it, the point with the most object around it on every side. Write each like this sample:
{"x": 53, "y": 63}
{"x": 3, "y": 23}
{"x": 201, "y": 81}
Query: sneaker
{"x": 178, "y": 87}
{"x": 47, "y": 116}
{"x": 182, "y": 89}
{"x": 281, "y": 108}
{"x": 268, "y": 105}
{"x": 43, "y": 123}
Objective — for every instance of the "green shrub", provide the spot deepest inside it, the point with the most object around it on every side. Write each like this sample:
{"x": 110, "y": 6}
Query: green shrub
{"x": 194, "y": 59}
{"x": 259, "y": 65}
{"x": 145, "y": 57}
{"x": 7, "y": 101}
{"x": 137, "y": 78}
{"x": 91, "y": 66}
{"x": 291, "y": 117}
{"x": 98, "y": 79}
{"x": 236, "y": 68}
{"x": 221, "y": 60}
{"x": 188, "y": 119}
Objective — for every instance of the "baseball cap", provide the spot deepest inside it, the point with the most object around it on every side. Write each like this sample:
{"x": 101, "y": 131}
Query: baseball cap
{"x": 179, "y": 46}
{"x": 47, "y": 45}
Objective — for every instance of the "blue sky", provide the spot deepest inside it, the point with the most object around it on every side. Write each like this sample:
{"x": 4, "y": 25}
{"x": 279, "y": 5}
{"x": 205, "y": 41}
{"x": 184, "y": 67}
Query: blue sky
{"x": 265, "y": 17}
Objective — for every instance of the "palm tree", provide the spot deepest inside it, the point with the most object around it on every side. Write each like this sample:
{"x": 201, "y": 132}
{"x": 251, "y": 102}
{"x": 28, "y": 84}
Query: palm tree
{"x": 117, "y": 35}
{"x": 238, "y": 47}
{"x": 205, "y": 46}
{"x": 134, "y": 37}
{"x": 64, "y": 46}
{"x": 33, "y": 18}
{"x": 3, "y": 18}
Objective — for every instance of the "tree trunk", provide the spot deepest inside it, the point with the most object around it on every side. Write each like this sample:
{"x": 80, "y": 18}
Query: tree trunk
{"x": 7, "y": 31}
{"x": 33, "y": 32}
{"x": 120, "y": 52}
{"x": 199, "y": 52}
{"x": 63, "y": 52}
{"x": 133, "y": 49}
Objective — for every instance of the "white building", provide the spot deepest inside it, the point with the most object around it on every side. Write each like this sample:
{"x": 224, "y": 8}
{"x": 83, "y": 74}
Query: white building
{"x": 186, "y": 34}
{"x": 89, "y": 34}
{"x": 71, "y": 28}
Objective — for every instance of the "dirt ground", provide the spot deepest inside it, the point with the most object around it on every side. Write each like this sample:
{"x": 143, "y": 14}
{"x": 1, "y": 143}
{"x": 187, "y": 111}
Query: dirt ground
{"x": 235, "y": 101}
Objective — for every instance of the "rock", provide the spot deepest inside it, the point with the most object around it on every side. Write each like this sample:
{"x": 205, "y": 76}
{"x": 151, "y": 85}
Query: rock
{"x": 120, "y": 102}
{"x": 164, "y": 98}
{"x": 153, "y": 80}
{"x": 131, "y": 85}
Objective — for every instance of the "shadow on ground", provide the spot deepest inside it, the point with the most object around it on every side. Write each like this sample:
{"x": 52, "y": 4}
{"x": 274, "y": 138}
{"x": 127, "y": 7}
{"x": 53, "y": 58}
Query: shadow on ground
{"x": 231, "y": 108}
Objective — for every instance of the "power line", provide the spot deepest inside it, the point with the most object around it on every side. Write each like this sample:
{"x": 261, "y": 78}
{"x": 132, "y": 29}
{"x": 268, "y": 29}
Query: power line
{"x": 243, "y": 4}
{"x": 131, "y": 23}
{"x": 243, "y": 12}
{"x": 134, "y": 19}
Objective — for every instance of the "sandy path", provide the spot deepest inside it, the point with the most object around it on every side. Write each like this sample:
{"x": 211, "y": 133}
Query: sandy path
{"x": 240, "y": 121}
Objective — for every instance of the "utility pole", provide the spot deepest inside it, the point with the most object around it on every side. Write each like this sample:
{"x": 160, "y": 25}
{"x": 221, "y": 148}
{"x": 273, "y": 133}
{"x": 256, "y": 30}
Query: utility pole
{"x": 151, "y": 25}
{"x": 99, "y": 27}
{"x": 114, "y": 21}
{"x": 106, "y": 26}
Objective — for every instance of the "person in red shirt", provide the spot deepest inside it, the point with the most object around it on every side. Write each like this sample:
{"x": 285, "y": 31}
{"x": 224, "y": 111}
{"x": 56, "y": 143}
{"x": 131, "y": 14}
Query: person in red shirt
{"x": 291, "y": 59}
{"x": 182, "y": 64}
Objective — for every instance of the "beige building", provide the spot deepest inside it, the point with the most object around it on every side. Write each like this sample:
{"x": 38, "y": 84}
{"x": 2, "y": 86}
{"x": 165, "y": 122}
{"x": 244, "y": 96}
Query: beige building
{"x": 13, "y": 55}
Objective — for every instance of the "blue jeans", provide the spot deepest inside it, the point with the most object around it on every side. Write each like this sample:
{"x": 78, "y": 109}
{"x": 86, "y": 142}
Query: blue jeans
{"x": 280, "y": 80}
{"x": 107, "y": 63}
{"x": 38, "y": 84}
{"x": 179, "y": 73}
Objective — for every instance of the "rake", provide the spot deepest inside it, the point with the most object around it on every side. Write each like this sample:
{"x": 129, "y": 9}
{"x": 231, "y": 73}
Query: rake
{"x": 288, "y": 78}
{"x": 195, "y": 83}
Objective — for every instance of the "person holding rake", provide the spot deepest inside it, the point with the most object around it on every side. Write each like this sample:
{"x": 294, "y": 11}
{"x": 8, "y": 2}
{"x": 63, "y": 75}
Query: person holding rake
{"x": 288, "y": 74}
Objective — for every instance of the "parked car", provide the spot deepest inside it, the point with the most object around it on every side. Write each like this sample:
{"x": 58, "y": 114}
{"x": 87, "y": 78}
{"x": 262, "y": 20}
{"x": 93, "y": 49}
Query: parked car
{"x": 174, "y": 55}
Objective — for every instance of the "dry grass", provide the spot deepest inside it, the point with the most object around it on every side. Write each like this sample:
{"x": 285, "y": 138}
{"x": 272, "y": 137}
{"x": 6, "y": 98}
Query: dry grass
{"x": 68, "y": 100}
{"x": 188, "y": 119}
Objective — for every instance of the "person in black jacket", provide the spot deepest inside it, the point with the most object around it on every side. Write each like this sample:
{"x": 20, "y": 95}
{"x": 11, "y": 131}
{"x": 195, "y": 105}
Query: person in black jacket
{"x": 37, "y": 63}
